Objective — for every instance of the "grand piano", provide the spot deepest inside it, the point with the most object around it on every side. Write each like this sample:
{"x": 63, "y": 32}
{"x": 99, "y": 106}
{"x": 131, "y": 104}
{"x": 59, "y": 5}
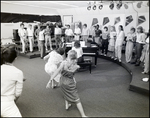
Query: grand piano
{"x": 89, "y": 49}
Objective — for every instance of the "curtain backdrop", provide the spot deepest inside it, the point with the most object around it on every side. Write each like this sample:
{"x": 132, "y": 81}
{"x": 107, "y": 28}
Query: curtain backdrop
{"x": 11, "y": 17}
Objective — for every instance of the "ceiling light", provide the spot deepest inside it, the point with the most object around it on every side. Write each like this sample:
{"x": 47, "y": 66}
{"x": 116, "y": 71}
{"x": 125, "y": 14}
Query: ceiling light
{"x": 101, "y": 5}
{"x": 111, "y": 6}
{"x": 139, "y": 5}
{"x": 119, "y": 5}
{"x": 94, "y": 7}
{"x": 89, "y": 8}
{"x": 126, "y": 6}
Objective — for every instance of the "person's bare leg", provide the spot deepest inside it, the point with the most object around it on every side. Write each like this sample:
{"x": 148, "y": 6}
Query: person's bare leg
{"x": 80, "y": 108}
{"x": 67, "y": 105}
{"x": 52, "y": 83}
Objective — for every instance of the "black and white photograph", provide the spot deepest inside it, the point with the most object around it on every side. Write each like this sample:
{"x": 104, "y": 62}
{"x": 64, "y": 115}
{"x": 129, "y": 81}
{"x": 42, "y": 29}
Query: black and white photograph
{"x": 75, "y": 58}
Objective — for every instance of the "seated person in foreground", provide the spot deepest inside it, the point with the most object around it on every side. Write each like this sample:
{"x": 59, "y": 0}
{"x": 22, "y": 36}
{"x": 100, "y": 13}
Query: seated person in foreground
{"x": 77, "y": 47}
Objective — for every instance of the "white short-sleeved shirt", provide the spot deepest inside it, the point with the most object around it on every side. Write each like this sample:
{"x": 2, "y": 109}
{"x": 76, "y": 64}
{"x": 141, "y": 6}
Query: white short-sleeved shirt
{"x": 41, "y": 35}
{"x": 85, "y": 31}
{"x": 79, "y": 51}
{"x": 57, "y": 31}
{"x": 68, "y": 32}
{"x": 22, "y": 32}
{"x": 11, "y": 82}
{"x": 77, "y": 31}
{"x": 140, "y": 38}
{"x": 30, "y": 32}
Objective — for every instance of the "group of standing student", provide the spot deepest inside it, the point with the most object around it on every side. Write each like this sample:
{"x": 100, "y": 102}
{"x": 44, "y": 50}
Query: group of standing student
{"x": 141, "y": 41}
{"x": 77, "y": 33}
{"x": 42, "y": 34}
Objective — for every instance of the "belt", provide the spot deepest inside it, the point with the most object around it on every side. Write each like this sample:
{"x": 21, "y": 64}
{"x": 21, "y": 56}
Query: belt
{"x": 30, "y": 36}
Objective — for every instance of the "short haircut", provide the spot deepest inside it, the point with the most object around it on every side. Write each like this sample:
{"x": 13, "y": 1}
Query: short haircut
{"x": 72, "y": 54}
{"x": 141, "y": 29}
{"x": 21, "y": 24}
{"x": 133, "y": 29}
{"x": 53, "y": 47}
{"x": 85, "y": 25}
{"x": 106, "y": 28}
{"x": 9, "y": 54}
{"x": 68, "y": 26}
{"x": 41, "y": 28}
{"x": 60, "y": 51}
{"x": 77, "y": 44}
{"x": 121, "y": 27}
{"x": 47, "y": 25}
{"x": 97, "y": 25}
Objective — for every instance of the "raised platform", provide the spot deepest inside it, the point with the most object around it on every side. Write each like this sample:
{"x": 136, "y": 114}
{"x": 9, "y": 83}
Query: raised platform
{"x": 136, "y": 85}
{"x": 31, "y": 55}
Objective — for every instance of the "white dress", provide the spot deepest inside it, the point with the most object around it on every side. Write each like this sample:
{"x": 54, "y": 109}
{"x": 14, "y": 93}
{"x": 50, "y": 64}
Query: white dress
{"x": 53, "y": 62}
{"x": 112, "y": 41}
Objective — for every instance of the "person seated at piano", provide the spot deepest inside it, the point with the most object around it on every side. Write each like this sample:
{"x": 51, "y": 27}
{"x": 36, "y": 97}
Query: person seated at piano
{"x": 85, "y": 33}
{"x": 77, "y": 47}
{"x": 77, "y": 32}
{"x": 68, "y": 33}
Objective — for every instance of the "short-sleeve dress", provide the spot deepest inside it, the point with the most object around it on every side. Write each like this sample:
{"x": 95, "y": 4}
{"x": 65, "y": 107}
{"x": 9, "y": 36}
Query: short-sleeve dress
{"x": 68, "y": 84}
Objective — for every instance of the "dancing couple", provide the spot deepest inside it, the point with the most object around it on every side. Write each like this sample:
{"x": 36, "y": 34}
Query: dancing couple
{"x": 67, "y": 68}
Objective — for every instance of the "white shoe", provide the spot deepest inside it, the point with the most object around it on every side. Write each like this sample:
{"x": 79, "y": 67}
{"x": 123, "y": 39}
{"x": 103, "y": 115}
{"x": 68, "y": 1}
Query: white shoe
{"x": 115, "y": 58}
{"x": 68, "y": 106}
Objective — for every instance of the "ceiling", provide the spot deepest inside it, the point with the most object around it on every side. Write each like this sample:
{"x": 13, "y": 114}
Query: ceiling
{"x": 58, "y": 4}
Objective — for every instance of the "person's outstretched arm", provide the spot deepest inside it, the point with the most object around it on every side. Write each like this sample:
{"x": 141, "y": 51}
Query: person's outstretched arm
{"x": 46, "y": 57}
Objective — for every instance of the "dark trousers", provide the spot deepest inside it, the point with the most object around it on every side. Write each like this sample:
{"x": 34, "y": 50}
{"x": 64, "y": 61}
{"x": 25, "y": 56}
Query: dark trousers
{"x": 58, "y": 41}
{"x": 138, "y": 51}
{"x": 42, "y": 47}
{"x": 80, "y": 60}
{"x": 68, "y": 38}
{"x": 104, "y": 46}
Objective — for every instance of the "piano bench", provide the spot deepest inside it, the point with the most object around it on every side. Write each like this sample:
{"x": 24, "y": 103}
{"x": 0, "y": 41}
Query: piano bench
{"x": 86, "y": 63}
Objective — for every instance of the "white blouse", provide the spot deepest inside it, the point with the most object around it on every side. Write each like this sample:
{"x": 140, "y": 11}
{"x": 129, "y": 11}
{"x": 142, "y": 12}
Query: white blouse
{"x": 77, "y": 31}
{"x": 68, "y": 32}
{"x": 11, "y": 82}
{"x": 79, "y": 51}
{"x": 140, "y": 38}
{"x": 85, "y": 31}
{"x": 120, "y": 38}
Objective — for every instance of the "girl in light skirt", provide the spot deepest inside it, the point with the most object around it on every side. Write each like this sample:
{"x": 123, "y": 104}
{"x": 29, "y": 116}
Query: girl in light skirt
{"x": 54, "y": 59}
